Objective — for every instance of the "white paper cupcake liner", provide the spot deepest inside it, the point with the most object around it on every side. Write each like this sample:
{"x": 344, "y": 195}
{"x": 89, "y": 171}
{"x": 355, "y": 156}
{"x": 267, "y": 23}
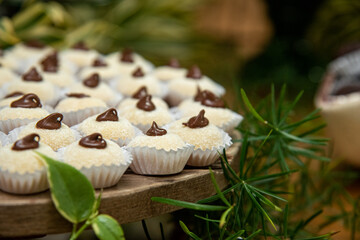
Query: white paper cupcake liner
{"x": 26, "y": 183}
{"x": 104, "y": 176}
{"x": 152, "y": 161}
{"x": 3, "y": 139}
{"x": 201, "y": 158}
{"x": 7, "y": 125}
{"x": 74, "y": 117}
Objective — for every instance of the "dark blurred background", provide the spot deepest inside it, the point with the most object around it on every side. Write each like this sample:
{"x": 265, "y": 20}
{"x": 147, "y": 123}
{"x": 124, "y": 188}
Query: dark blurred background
{"x": 247, "y": 43}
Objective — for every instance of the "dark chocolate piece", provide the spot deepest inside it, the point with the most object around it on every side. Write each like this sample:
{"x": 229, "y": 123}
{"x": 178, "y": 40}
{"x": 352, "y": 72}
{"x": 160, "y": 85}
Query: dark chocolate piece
{"x": 80, "y": 46}
{"x": 94, "y": 140}
{"x": 99, "y": 63}
{"x": 146, "y": 104}
{"x": 126, "y": 56}
{"x": 142, "y": 92}
{"x": 30, "y": 141}
{"x": 155, "y": 130}
{"x": 14, "y": 94}
{"x": 199, "y": 96}
{"x": 77, "y": 95}
{"x": 138, "y": 73}
{"x": 194, "y": 72}
{"x": 27, "y": 101}
{"x": 198, "y": 121}
{"x": 347, "y": 89}
{"x": 50, "y": 63}
{"x": 93, "y": 81}
{"x": 209, "y": 99}
{"x": 32, "y": 75}
{"x": 174, "y": 63}
{"x": 51, "y": 122}
{"x": 109, "y": 115}
{"x": 35, "y": 44}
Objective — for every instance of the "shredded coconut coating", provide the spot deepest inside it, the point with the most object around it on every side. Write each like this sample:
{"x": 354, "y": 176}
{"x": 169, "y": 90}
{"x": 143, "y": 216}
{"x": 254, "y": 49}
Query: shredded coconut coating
{"x": 203, "y": 138}
{"x": 166, "y": 73}
{"x": 75, "y": 104}
{"x": 80, "y": 157}
{"x": 22, "y": 51}
{"x": 26, "y": 161}
{"x": 188, "y": 87}
{"x": 7, "y": 101}
{"x": 128, "y": 85}
{"x": 55, "y": 138}
{"x": 217, "y": 116}
{"x": 131, "y": 102}
{"x": 138, "y": 116}
{"x": 121, "y": 129}
{"x": 167, "y": 142}
{"x": 106, "y": 72}
{"x": 22, "y": 113}
{"x": 128, "y": 68}
{"x": 44, "y": 90}
{"x": 60, "y": 78}
{"x": 6, "y": 75}
{"x": 78, "y": 57}
{"x": 102, "y": 91}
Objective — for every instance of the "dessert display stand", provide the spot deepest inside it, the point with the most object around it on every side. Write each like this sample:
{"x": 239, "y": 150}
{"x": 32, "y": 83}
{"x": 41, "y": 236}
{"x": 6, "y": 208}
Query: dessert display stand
{"x": 128, "y": 201}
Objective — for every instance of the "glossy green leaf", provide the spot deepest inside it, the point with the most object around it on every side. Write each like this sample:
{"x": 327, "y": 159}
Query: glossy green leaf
{"x": 71, "y": 192}
{"x": 107, "y": 228}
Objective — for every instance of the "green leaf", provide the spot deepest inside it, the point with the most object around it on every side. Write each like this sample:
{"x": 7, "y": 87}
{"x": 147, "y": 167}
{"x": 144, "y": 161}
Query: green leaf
{"x": 235, "y": 235}
{"x": 195, "y": 206}
{"x": 258, "y": 206}
{"x": 187, "y": 231}
{"x": 251, "y": 108}
{"x": 107, "y": 228}
{"x": 223, "y": 217}
{"x": 221, "y": 195}
{"x": 207, "y": 219}
{"x": 71, "y": 192}
{"x": 253, "y": 234}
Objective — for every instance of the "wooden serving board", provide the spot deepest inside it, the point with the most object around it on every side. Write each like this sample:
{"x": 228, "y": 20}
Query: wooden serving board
{"x": 128, "y": 201}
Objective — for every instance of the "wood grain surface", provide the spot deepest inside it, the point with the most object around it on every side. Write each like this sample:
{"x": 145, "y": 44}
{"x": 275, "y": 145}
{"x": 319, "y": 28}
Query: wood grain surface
{"x": 128, "y": 201}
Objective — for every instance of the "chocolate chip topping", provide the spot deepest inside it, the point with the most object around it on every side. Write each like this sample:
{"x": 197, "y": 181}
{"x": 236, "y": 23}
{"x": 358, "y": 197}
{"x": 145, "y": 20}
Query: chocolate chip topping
{"x": 194, "y": 72}
{"x": 14, "y": 94}
{"x": 109, "y": 115}
{"x": 345, "y": 90}
{"x": 198, "y": 121}
{"x": 27, "y": 101}
{"x": 174, "y": 63}
{"x": 208, "y": 99}
{"x": 92, "y": 81}
{"x": 126, "y": 56}
{"x": 98, "y": 62}
{"x": 94, "y": 140}
{"x": 32, "y": 75}
{"x": 80, "y": 46}
{"x": 199, "y": 96}
{"x": 50, "y": 63}
{"x": 35, "y": 44}
{"x": 51, "y": 122}
{"x": 77, "y": 95}
{"x": 138, "y": 73}
{"x": 30, "y": 141}
{"x": 142, "y": 92}
{"x": 155, "y": 130}
{"x": 146, "y": 104}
